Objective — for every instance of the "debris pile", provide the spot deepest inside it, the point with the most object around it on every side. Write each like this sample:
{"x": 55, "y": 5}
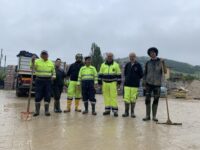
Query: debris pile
{"x": 181, "y": 92}
{"x": 194, "y": 90}
{"x": 10, "y": 78}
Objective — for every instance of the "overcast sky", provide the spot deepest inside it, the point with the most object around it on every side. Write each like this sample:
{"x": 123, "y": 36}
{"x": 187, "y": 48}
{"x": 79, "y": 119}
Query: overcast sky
{"x": 65, "y": 27}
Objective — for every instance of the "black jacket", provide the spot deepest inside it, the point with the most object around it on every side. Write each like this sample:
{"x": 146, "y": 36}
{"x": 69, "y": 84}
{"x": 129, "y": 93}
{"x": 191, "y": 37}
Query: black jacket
{"x": 74, "y": 71}
{"x": 133, "y": 74}
{"x": 60, "y": 75}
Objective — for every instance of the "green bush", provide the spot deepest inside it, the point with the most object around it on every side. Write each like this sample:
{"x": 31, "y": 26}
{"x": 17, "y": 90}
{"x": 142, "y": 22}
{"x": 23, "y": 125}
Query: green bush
{"x": 2, "y": 75}
{"x": 182, "y": 77}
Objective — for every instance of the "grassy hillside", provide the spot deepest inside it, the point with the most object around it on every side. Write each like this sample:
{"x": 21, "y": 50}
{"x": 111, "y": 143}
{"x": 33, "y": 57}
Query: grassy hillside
{"x": 178, "y": 67}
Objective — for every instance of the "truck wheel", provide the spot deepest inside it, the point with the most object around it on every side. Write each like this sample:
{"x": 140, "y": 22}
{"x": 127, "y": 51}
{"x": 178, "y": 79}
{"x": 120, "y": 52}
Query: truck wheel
{"x": 19, "y": 93}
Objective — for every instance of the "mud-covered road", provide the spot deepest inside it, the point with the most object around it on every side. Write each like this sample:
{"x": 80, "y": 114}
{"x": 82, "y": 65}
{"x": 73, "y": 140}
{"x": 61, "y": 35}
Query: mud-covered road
{"x": 75, "y": 131}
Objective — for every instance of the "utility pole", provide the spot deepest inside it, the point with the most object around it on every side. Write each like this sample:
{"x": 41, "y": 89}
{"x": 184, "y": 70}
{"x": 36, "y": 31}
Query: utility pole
{"x": 5, "y": 63}
{"x": 1, "y": 57}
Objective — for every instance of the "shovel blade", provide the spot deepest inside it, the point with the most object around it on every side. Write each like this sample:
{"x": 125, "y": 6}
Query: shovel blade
{"x": 26, "y": 116}
{"x": 170, "y": 123}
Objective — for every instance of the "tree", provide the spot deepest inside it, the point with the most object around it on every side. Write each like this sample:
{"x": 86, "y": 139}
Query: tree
{"x": 97, "y": 58}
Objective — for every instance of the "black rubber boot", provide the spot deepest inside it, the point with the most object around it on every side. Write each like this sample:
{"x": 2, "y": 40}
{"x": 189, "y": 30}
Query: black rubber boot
{"x": 132, "y": 110}
{"x": 148, "y": 112}
{"x": 126, "y": 114}
{"x": 86, "y": 108}
{"x": 57, "y": 106}
{"x": 106, "y": 113}
{"x": 46, "y": 108}
{"x": 115, "y": 114}
{"x": 154, "y": 112}
{"x": 37, "y": 110}
{"x": 93, "y": 110}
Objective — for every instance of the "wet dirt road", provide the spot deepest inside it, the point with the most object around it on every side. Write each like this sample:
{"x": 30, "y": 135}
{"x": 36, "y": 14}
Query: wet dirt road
{"x": 75, "y": 131}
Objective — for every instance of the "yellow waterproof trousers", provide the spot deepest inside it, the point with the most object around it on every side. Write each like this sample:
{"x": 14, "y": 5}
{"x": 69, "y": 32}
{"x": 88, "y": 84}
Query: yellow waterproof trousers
{"x": 130, "y": 94}
{"x": 110, "y": 96}
{"x": 73, "y": 92}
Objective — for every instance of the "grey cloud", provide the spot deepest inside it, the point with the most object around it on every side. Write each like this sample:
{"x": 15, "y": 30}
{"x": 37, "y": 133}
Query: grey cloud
{"x": 67, "y": 27}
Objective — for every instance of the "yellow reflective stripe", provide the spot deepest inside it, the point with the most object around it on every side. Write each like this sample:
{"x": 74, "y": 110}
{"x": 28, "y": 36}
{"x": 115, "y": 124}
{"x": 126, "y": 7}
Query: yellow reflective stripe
{"x": 44, "y": 71}
{"x": 43, "y": 75}
{"x": 87, "y": 75}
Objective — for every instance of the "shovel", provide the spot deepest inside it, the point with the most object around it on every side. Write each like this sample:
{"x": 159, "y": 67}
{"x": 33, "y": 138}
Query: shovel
{"x": 27, "y": 115}
{"x": 168, "y": 122}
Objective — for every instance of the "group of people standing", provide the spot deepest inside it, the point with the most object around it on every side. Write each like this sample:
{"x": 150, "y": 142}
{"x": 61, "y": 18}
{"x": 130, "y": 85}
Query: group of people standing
{"x": 84, "y": 79}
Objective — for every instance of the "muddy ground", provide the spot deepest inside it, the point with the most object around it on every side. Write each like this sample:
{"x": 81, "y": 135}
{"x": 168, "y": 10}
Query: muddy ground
{"x": 75, "y": 131}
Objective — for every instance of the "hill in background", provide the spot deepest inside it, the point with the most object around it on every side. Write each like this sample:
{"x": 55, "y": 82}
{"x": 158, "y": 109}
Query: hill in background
{"x": 175, "y": 66}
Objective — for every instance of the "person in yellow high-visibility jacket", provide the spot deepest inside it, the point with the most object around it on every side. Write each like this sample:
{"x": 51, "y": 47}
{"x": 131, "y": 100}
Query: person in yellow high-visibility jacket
{"x": 88, "y": 80}
{"x": 110, "y": 78}
{"x": 45, "y": 73}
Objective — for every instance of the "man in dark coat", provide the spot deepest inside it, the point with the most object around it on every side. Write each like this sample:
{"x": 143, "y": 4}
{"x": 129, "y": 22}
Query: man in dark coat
{"x": 58, "y": 84}
{"x": 133, "y": 73}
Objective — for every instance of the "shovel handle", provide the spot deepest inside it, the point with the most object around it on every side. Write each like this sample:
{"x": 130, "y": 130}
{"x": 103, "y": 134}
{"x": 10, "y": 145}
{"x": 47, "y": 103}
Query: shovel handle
{"x": 30, "y": 88}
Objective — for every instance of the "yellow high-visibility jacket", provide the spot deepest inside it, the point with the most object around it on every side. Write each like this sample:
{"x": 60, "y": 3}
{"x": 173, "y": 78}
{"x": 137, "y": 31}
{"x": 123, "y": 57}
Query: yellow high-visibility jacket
{"x": 110, "y": 73}
{"x": 44, "y": 68}
{"x": 87, "y": 73}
